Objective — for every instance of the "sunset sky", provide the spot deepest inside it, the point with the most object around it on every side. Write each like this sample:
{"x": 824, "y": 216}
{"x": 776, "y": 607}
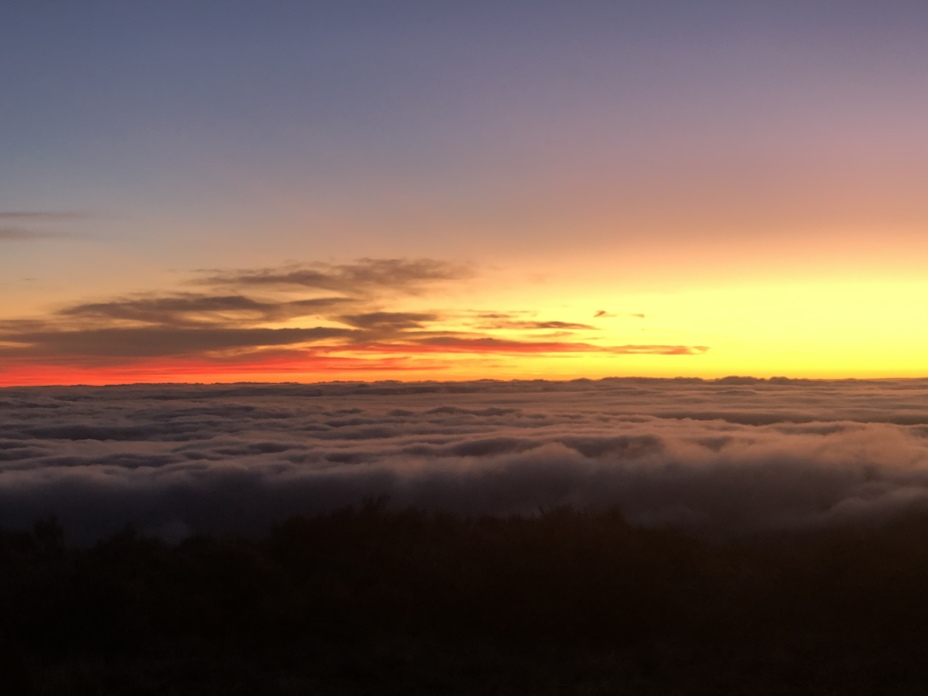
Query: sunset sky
{"x": 222, "y": 191}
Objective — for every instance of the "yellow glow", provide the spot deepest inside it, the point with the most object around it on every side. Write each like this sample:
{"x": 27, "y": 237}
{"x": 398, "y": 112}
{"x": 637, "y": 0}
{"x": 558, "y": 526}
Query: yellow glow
{"x": 583, "y": 317}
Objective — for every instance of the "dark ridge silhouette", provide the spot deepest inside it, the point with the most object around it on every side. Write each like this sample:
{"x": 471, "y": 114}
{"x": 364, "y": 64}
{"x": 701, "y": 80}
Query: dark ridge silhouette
{"x": 369, "y": 600}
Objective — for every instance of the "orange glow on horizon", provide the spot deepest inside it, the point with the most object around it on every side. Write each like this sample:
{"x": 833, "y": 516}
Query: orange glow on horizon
{"x": 565, "y": 326}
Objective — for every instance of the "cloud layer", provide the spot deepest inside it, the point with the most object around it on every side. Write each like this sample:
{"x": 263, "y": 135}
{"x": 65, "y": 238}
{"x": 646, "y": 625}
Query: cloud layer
{"x": 721, "y": 457}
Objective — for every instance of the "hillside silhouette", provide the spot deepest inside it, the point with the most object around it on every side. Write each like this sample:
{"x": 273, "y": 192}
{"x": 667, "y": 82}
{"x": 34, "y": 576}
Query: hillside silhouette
{"x": 370, "y": 600}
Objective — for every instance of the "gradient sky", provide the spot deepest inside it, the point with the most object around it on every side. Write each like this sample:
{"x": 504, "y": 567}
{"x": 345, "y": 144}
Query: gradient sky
{"x": 229, "y": 190}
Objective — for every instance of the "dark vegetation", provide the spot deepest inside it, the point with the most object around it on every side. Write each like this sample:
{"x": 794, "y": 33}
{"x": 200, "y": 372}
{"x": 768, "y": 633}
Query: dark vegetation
{"x": 373, "y": 601}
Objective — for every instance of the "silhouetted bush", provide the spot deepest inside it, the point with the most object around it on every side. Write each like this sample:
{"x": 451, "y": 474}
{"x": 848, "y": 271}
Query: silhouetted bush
{"x": 373, "y": 600}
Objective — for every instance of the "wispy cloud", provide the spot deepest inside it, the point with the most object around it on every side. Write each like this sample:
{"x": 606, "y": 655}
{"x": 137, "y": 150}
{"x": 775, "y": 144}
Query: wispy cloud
{"x": 408, "y": 276}
{"x": 640, "y": 349}
{"x": 40, "y": 215}
{"x": 603, "y": 314}
{"x": 523, "y": 325}
{"x": 161, "y": 341}
{"x": 331, "y": 317}
{"x": 21, "y": 234}
{"x": 189, "y": 309}
{"x": 14, "y": 224}
{"x": 393, "y": 322}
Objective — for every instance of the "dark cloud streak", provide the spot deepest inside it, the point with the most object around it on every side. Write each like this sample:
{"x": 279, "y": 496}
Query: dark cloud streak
{"x": 403, "y": 276}
{"x": 15, "y": 232}
{"x": 41, "y": 215}
{"x": 192, "y": 309}
{"x": 159, "y": 341}
{"x": 388, "y": 321}
{"x": 352, "y": 307}
{"x": 19, "y": 234}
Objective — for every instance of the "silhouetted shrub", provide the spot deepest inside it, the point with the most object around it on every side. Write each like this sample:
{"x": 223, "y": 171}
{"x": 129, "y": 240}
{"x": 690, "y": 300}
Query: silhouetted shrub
{"x": 374, "y": 600}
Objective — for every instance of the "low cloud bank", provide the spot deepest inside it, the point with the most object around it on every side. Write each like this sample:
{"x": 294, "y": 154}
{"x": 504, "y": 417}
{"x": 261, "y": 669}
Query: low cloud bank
{"x": 717, "y": 457}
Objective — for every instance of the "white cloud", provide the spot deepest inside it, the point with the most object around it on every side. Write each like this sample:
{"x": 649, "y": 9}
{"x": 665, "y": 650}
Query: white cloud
{"x": 716, "y": 458}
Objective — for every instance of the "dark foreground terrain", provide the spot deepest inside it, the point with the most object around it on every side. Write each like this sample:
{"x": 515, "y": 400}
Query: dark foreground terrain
{"x": 372, "y": 601}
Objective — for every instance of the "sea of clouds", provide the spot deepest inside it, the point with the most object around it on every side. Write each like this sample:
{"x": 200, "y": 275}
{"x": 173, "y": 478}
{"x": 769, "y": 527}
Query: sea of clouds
{"x": 721, "y": 457}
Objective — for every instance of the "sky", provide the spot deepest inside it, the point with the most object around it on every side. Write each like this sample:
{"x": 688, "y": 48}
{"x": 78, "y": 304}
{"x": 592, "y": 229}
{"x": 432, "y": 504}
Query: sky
{"x": 317, "y": 191}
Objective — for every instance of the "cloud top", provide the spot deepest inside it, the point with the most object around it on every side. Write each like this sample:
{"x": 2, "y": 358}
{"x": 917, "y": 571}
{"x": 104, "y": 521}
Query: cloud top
{"x": 736, "y": 458}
